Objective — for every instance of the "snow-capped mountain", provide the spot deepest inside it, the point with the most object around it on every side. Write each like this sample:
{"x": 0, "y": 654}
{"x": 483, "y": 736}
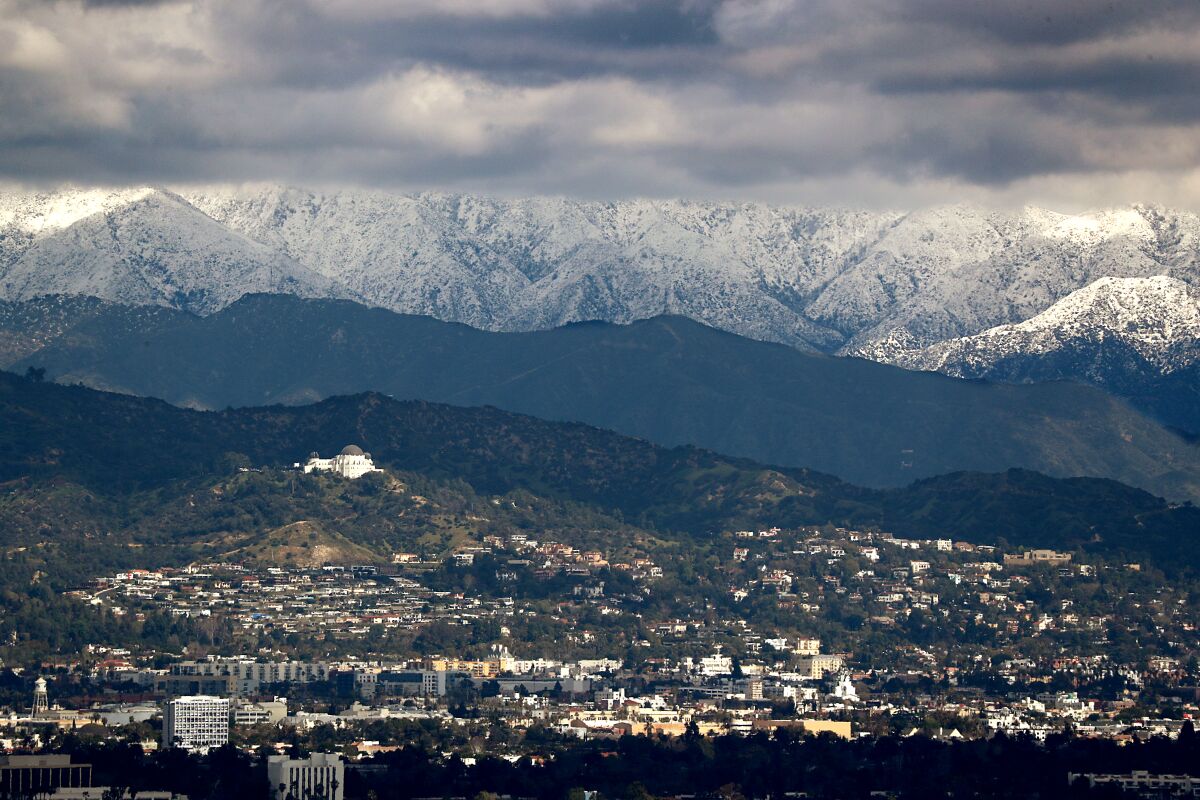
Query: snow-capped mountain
{"x": 1153, "y": 320}
{"x": 841, "y": 281}
{"x": 876, "y": 284}
{"x": 543, "y": 262}
{"x": 949, "y": 273}
{"x": 141, "y": 247}
{"x": 1139, "y": 338}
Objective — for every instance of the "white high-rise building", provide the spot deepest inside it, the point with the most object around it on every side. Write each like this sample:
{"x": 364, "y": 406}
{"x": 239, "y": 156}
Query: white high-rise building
{"x": 197, "y": 723}
{"x": 321, "y": 776}
{"x": 351, "y": 463}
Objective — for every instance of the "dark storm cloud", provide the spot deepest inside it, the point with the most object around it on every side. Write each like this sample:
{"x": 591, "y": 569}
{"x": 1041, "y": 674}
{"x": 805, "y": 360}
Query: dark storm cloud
{"x": 314, "y": 46}
{"x": 1140, "y": 80}
{"x": 1030, "y": 22}
{"x": 771, "y": 98}
{"x": 117, "y": 3}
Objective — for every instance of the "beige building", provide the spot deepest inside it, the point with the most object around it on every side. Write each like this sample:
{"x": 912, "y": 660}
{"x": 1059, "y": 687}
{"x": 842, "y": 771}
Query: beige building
{"x": 817, "y": 666}
{"x": 814, "y": 727}
{"x": 1037, "y": 557}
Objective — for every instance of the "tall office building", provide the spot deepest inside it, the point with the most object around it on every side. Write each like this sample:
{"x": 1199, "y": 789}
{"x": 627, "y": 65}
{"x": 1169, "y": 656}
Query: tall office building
{"x": 318, "y": 777}
{"x": 197, "y": 723}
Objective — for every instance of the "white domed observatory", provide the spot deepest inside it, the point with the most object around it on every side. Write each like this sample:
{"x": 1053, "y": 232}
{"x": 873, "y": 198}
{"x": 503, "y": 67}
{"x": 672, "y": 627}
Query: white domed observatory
{"x": 351, "y": 463}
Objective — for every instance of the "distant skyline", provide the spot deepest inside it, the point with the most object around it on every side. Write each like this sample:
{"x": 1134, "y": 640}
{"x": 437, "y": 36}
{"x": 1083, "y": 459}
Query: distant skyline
{"x": 1071, "y": 105}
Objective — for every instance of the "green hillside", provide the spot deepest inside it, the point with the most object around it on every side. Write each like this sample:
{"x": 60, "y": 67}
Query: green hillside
{"x": 668, "y": 380}
{"x": 140, "y": 480}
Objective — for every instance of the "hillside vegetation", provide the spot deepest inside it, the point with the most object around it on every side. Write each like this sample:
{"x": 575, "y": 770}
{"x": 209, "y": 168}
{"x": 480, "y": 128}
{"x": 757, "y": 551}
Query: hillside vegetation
{"x": 668, "y": 380}
{"x": 138, "y": 481}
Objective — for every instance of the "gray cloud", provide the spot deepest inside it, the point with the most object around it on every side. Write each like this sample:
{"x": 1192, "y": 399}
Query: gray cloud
{"x": 1026, "y": 22}
{"x": 860, "y": 101}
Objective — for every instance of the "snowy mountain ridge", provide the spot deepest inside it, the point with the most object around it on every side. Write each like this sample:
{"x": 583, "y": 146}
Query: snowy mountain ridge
{"x": 1158, "y": 318}
{"x": 880, "y": 284}
{"x": 140, "y": 247}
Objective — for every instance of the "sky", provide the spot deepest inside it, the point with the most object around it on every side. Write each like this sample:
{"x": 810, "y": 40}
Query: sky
{"x": 1066, "y": 103}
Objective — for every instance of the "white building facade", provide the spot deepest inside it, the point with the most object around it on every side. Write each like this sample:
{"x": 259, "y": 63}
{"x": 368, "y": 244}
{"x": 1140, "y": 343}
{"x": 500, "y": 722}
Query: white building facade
{"x": 321, "y": 776}
{"x": 197, "y": 723}
{"x": 351, "y": 463}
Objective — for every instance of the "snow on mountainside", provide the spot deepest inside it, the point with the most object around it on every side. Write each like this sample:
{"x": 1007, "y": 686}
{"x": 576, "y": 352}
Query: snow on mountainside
{"x": 872, "y": 283}
{"x": 969, "y": 272}
{"x": 878, "y": 284}
{"x": 141, "y": 247}
{"x": 1156, "y": 318}
{"x": 393, "y": 251}
{"x": 543, "y": 262}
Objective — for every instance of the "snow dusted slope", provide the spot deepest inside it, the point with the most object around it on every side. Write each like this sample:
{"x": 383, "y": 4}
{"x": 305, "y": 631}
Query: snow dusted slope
{"x": 393, "y": 251}
{"x": 967, "y": 272}
{"x": 26, "y": 217}
{"x": 1139, "y": 338}
{"x": 882, "y": 285}
{"x": 863, "y": 283}
{"x": 140, "y": 247}
{"x": 1155, "y": 319}
{"x": 544, "y": 262}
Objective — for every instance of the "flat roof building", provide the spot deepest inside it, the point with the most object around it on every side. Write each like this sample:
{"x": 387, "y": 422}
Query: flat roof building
{"x": 197, "y": 724}
{"x": 321, "y": 776}
{"x": 26, "y": 776}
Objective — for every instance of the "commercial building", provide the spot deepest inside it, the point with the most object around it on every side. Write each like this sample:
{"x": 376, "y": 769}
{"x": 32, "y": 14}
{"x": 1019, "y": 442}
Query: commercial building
{"x": 410, "y": 683}
{"x": 1141, "y": 783}
{"x": 27, "y": 776}
{"x": 264, "y": 712}
{"x": 321, "y": 776}
{"x": 485, "y": 668}
{"x": 818, "y": 666}
{"x": 197, "y": 724}
{"x": 246, "y": 676}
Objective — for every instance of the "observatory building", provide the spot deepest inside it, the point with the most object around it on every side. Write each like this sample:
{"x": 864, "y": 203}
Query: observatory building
{"x": 351, "y": 463}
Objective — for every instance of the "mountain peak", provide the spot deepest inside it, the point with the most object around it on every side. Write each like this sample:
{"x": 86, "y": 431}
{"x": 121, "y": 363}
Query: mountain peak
{"x": 1138, "y": 337}
{"x": 1154, "y": 311}
{"x": 855, "y": 282}
{"x": 146, "y": 246}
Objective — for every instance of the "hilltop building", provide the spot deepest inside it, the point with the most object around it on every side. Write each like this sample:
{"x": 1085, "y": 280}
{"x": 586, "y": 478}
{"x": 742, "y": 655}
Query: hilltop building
{"x": 351, "y": 463}
{"x": 1052, "y": 557}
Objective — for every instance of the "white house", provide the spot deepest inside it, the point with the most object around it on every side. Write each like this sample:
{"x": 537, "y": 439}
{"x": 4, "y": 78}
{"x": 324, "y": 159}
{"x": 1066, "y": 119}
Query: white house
{"x": 351, "y": 463}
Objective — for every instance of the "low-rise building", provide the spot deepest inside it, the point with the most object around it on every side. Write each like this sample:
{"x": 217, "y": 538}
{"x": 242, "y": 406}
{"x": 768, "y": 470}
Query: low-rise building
{"x": 321, "y": 776}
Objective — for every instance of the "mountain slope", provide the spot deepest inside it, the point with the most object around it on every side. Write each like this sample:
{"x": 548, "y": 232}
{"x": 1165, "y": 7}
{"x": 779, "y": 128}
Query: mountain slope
{"x": 815, "y": 277}
{"x": 865, "y": 283}
{"x": 669, "y": 380}
{"x": 534, "y": 263}
{"x": 63, "y": 448}
{"x": 146, "y": 247}
{"x": 1137, "y": 337}
{"x": 959, "y": 271}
